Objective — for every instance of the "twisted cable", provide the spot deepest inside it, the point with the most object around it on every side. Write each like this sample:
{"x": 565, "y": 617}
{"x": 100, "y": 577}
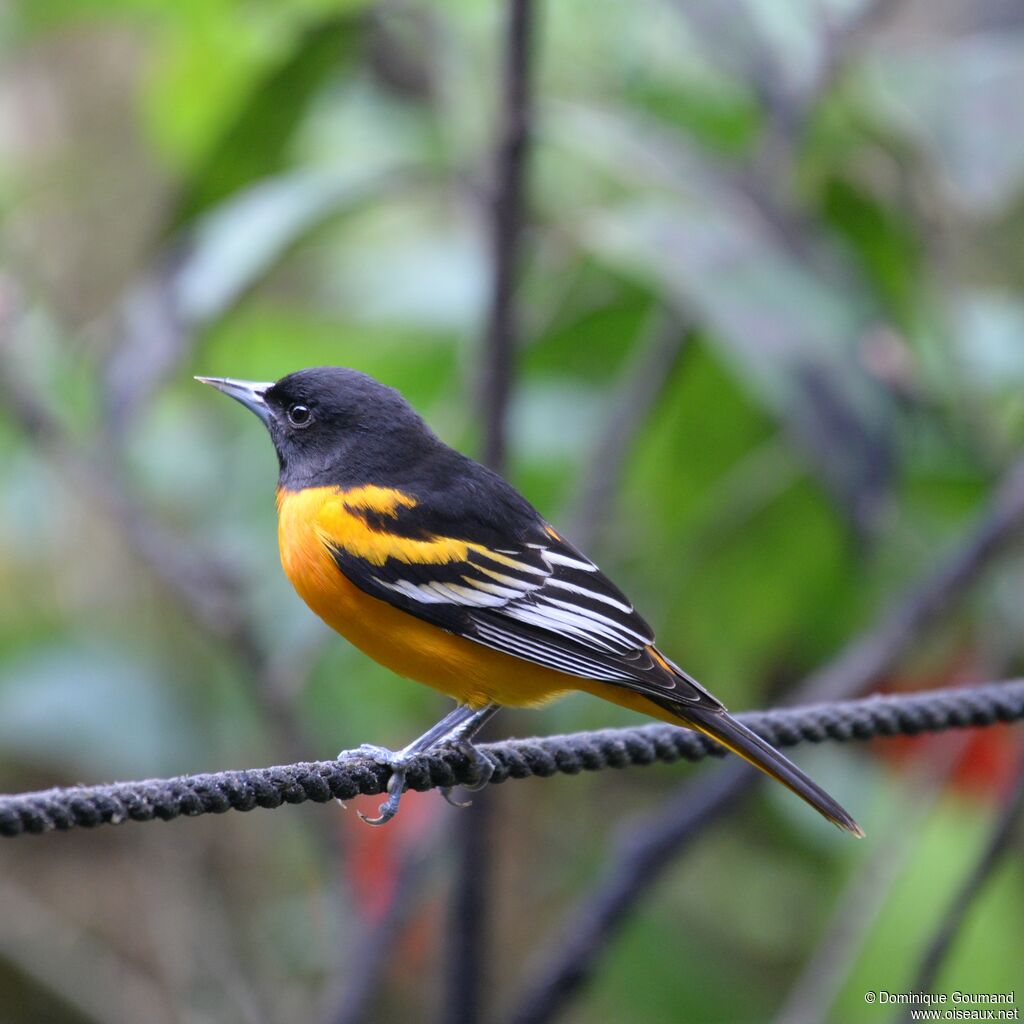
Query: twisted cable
{"x": 353, "y": 774}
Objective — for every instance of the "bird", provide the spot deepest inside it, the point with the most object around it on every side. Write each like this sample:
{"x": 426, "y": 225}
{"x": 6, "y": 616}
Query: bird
{"x": 439, "y": 569}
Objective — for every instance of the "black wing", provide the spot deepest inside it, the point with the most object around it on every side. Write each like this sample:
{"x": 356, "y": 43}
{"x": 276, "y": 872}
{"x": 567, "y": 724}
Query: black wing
{"x": 536, "y": 598}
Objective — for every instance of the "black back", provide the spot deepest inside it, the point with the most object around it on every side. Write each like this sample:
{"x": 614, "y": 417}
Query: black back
{"x": 363, "y": 432}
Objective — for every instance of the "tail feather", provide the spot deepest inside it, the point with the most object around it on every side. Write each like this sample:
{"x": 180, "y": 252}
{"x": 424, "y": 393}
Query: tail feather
{"x": 736, "y": 737}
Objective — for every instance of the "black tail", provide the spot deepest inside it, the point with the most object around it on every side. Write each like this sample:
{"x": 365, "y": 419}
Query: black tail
{"x": 734, "y": 736}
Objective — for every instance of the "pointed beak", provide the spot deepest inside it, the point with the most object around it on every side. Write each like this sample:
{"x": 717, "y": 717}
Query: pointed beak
{"x": 249, "y": 392}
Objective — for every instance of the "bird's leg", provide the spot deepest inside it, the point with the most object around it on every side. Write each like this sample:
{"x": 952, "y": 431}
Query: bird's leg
{"x": 456, "y": 728}
{"x": 482, "y": 765}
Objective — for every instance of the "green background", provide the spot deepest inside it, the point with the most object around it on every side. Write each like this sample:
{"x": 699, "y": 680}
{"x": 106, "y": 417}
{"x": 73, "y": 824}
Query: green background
{"x": 813, "y": 218}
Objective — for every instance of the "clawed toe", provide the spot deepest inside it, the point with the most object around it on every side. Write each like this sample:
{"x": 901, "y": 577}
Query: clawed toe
{"x": 455, "y": 730}
{"x": 483, "y": 769}
{"x": 482, "y": 765}
{"x": 388, "y": 809}
{"x": 397, "y": 761}
{"x": 446, "y": 792}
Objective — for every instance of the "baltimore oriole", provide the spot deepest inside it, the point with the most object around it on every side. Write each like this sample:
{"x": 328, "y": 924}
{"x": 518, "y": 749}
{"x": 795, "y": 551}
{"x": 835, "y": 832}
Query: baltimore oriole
{"x": 442, "y": 571}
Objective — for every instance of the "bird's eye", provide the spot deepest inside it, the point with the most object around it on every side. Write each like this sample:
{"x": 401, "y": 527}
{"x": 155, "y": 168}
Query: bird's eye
{"x": 299, "y": 415}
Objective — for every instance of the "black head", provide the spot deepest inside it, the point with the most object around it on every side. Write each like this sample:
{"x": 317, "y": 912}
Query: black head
{"x": 335, "y": 426}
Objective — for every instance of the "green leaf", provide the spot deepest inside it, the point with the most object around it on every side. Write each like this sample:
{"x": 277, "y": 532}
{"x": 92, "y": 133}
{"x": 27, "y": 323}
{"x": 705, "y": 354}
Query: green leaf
{"x": 883, "y": 239}
{"x": 256, "y": 142}
{"x": 787, "y": 313}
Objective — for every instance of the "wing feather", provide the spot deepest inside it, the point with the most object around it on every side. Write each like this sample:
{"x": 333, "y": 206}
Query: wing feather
{"x": 497, "y": 574}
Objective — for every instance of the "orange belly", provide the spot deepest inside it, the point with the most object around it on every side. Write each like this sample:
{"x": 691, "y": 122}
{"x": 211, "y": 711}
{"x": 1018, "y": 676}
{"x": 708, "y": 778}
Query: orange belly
{"x": 468, "y": 672}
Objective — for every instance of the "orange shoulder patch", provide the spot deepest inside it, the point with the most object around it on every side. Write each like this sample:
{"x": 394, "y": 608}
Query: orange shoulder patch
{"x": 384, "y": 500}
{"x": 314, "y": 520}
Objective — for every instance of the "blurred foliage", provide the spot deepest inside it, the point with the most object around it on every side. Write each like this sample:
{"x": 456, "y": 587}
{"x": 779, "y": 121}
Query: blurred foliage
{"x": 829, "y": 196}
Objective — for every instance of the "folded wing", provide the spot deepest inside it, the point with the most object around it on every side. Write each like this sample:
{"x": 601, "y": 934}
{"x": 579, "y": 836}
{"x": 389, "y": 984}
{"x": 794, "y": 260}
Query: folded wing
{"x": 538, "y": 599}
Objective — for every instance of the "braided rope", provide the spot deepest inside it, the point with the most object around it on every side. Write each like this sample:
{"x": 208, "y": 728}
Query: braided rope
{"x": 354, "y": 774}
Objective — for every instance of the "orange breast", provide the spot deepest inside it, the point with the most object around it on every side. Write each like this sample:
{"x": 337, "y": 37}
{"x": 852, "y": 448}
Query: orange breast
{"x": 312, "y": 520}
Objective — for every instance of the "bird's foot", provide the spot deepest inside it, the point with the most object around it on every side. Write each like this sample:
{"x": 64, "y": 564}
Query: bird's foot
{"x": 398, "y": 761}
{"x": 379, "y": 755}
{"x": 483, "y": 769}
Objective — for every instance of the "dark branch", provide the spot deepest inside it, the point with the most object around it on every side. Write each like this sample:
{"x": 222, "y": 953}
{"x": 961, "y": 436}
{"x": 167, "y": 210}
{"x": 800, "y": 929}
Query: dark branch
{"x": 863, "y": 663}
{"x": 355, "y": 774}
{"x": 1000, "y": 840}
{"x": 467, "y": 962}
{"x": 467, "y": 958}
{"x": 507, "y": 206}
{"x": 835, "y": 950}
{"x": 663, "y": 836}
{"x": 373, "y": 952}
{"x": 857, "y": 668}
